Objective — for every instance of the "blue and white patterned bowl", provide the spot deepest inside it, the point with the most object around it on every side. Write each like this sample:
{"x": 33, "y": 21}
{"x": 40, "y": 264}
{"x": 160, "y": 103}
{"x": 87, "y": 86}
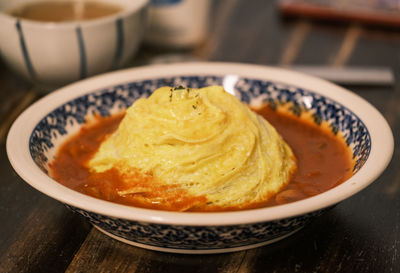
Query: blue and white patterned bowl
{"x": 38, "y": 132}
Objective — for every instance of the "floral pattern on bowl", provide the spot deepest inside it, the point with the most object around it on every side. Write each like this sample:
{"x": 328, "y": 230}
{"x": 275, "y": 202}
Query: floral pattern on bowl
{"x": 197, "y": 238}
{"x": 37, "y": 133}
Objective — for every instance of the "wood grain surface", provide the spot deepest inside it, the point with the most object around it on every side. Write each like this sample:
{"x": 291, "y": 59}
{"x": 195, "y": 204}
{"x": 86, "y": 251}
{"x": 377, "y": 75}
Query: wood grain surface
{"x": 361, "y": 234}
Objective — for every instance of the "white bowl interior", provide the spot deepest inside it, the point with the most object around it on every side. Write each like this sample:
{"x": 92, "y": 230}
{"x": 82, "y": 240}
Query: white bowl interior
{"x": 127, "y": 4}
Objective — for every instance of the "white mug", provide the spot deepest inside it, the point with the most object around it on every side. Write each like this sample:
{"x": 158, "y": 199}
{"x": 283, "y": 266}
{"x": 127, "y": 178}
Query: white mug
{"x": 177, "y": 23}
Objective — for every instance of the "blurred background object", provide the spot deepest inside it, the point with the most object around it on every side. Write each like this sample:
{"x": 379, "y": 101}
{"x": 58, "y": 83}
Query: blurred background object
{"x": 177, "y": 23}
{"x": 374, "y": 12}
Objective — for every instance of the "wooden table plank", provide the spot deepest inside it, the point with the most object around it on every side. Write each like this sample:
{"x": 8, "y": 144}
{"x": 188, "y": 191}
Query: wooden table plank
{"x": 14, "y": 110}
{"x": 100, "y": 253}
{"x": 251, "y": 33}
{"x": 38, "y": 234}
{"x": 12, "y": 91}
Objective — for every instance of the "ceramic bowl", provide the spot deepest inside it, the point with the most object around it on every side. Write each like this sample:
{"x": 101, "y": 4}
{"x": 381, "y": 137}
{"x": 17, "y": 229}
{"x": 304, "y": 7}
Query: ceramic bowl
{"x": 38, "y": 132}
{"x": 53, "y": 54}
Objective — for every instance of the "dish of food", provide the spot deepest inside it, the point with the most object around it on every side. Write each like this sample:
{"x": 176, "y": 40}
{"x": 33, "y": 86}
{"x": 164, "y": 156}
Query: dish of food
{"x": 39, "y": 133}
{"x": 53, "y": 43}
{"x": 185, "y": 149}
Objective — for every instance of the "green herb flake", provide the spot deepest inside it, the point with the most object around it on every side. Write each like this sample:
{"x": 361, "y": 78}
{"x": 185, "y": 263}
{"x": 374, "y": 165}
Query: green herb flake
{"x": 179, "y": 87}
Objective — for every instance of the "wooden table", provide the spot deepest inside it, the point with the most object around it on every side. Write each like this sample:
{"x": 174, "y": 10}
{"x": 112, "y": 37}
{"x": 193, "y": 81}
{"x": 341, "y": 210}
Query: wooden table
{"x": 362, "y": 234}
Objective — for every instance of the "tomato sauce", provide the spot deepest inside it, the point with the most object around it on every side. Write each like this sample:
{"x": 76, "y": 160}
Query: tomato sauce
{"x": 324, "y": 161}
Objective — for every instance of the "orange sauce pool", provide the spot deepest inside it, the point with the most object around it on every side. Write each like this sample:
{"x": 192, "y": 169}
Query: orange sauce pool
{"x": 324, "y": 161}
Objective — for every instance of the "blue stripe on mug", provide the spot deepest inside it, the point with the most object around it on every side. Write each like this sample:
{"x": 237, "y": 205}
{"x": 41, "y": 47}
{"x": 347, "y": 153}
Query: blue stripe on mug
{"x": 164, "y": 2}
{"x": 25, "y": 52}
{"x": 119, "y": 43}
{"x": 82, "y": 53}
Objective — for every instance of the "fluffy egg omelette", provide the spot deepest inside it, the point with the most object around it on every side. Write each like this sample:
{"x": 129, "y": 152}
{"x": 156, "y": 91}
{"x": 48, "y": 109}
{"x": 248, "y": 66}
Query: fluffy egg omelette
{"x": 203, "y": 142}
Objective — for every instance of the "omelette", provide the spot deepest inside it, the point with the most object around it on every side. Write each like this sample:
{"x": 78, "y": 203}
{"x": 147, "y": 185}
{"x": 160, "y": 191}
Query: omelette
{"x": 203, "y": 142}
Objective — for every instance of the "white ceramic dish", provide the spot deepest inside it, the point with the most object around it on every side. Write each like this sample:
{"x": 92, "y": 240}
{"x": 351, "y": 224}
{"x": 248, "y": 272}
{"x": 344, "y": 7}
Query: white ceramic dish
{"x": 37, "y": 133}
{"x": 54, "y": 54}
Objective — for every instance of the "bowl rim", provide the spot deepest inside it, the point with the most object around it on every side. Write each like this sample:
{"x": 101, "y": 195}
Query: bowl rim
{"x": 126, "y": 11}
{"x": 382, "y": 144}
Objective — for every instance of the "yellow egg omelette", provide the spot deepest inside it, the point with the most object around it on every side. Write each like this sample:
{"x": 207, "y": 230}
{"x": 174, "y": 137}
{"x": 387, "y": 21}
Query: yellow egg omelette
{"x": 204, "y": 141}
